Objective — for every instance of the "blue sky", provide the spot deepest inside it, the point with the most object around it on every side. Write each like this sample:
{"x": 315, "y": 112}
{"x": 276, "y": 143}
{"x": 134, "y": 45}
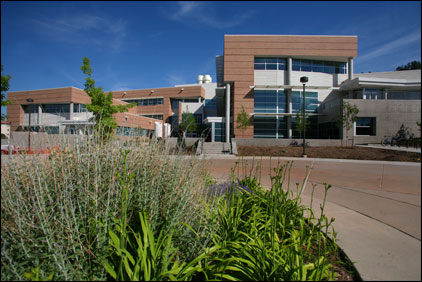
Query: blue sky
{"x": 135, "y": 45}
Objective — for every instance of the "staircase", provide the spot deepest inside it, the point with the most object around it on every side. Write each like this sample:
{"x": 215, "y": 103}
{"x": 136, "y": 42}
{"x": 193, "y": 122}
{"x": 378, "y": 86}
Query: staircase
{"x": 209, "y": 148}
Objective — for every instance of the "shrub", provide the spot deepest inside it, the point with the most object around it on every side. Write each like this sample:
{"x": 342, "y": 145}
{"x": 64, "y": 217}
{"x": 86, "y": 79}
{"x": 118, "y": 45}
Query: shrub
{"x": 56, "y": 211}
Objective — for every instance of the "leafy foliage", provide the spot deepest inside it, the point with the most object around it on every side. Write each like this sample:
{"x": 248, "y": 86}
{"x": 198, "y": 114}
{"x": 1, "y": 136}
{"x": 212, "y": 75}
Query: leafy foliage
{"x": 242, "y": 120}
{"x": 101, "y": 104}
{"x": 188, "y": 123}
{"x": 414, "y": 65}
{"x": 300, "y": 123}
{"x": 348, "y": 116}
{"x": 4, "y": 88}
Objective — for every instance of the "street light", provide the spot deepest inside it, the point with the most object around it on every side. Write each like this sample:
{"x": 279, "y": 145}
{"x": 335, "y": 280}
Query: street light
{"x": 303, "y": 80}
{"x": 29, "y": 100}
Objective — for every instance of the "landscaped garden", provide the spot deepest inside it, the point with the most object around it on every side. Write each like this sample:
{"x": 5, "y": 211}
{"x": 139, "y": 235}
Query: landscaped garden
{"x": 355, "y": 153}
{"x": 107, "y": 212}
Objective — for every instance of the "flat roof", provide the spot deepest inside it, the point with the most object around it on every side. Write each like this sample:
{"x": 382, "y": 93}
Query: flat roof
{"x": 45, "y": 89}
{"x": 289, "y": 35}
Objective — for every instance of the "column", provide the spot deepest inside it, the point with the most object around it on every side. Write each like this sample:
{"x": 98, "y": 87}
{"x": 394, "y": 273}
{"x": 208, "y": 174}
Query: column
{"x": 71, "y": 111}
{"x": 385, "y": 94}
{"x": 39, "y": 114}
{"x": 289, "y": 72}
{"x": 212, "y": 131}
{"x": 350, "y": 69}
{"x": 228, "y": 113}
{"x": 289, "y": 110}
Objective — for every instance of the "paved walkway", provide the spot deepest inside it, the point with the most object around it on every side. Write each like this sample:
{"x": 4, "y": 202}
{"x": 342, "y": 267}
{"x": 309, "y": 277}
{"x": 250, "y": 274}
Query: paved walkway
{"x": 389, "y": 147}
{"x": 376, "y": 206}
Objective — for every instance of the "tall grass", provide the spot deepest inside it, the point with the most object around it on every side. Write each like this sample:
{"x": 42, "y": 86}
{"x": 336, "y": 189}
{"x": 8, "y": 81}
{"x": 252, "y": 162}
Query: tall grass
{"x": 56, "y": 210}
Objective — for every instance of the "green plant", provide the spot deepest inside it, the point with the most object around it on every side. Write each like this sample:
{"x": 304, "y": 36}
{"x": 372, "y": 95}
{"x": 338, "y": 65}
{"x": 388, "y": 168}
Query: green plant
{"x": 101, "y": 105}
{"x": 267, "y": 235}
{"x": 348, "y": 116}
{"x": 52, "y": 207}
{"x": 243, "y": 121}
{"x": 5, "y": 85}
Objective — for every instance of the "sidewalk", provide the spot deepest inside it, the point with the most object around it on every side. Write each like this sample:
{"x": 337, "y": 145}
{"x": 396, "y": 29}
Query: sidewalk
{"x": 376, "y": 206}
{"x": 389, "y": 147}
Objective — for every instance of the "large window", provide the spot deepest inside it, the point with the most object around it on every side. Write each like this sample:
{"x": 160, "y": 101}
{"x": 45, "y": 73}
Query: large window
{"x": 373, "y": 94}
{"x": 160, "y": 117}
{"x": 270, "y": 101}
{"x": 404, "y": 95}
{"x": 270, "y": 127}
{"x": 269, "y": 63}
{"x": 311, "y": 102}
{"x": 311, "y": 128}
{"x": 30, "y": 108}
{"x": 130, "y": 131}
{"x": 319, "y": 66}
{"x": 365, "y": 126}
{"x": 79, "y": 108}
{"x": 55, "y": 108}
{"x": 146, "y": 102}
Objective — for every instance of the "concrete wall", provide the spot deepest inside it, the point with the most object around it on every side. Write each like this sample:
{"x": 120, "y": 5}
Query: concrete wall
{"x": 390, "y": 115}
{"x": 285, "y": 142}
{"x": 40, "y": 140}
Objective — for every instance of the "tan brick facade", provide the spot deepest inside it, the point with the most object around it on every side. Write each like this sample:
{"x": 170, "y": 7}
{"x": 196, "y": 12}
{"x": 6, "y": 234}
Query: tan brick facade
{"x": 239, "y": 52}
{"x": 127, "y": 119}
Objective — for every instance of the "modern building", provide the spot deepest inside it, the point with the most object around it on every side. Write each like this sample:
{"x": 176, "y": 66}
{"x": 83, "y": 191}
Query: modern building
{"x": 258, "y": 74}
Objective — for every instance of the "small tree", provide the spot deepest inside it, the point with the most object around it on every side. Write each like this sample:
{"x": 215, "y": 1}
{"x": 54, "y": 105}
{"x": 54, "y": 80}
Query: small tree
{"x": 188, "y": 123}
{"x": 101, "y": 105}
{"x": 242, "y": 121}
{"x": 4, "y": 88}
{"x": 347, "y": 118}
{"x": 300, "y": 123}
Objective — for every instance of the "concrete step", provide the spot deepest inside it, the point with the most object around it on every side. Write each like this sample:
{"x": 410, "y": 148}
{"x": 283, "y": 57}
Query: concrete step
{"x": 216, "y": 148}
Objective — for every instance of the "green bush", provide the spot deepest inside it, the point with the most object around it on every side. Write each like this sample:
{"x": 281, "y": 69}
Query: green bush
{"x": 56, "y": 211}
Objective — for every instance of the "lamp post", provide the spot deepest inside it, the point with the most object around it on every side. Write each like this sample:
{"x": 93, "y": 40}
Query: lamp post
{"x": 29, "y": 128}
{"x": 303, "y": 80}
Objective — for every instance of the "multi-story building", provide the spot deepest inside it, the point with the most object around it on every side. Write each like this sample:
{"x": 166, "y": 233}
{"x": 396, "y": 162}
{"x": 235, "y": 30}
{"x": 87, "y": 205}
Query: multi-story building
{"x": 258, "y": 74}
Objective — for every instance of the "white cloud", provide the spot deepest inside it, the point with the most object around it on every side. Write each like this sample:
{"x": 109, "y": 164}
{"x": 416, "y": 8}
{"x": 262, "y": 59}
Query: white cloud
{"x": 393, "y": 46}
{"x": 175, "y": 79}
{"x": 85, "y": 29}
{"x": 202, "y": 13}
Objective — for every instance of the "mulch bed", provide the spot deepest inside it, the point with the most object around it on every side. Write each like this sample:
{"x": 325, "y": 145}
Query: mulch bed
{"x": 354, "y": 153}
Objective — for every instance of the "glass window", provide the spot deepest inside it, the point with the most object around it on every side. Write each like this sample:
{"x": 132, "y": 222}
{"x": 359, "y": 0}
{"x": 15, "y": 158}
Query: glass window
{"x": 30, "y": 108}
{"x": 296, "y": 65}
{"x": 404, "y": 95}
{"x": 271, "y": 60}
{"x": 55, "y": 108}
{"x": 271, "y": 66}
{"x": 305, "y": 65}
{"x": 265, "y": 127}
{"x": 318, "y": 66}
{"x": 259, "y": 66}
{"x": 365, "y": 126}
{"x": 329, "y": 67}
{"x": 259, "y": 60}
{"x": 311, "y": 102}
{"x": 373, "y": 94}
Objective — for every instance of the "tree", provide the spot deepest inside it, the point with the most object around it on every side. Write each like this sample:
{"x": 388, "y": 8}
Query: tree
{"x": 188, "y": 123}
{"x": 101, "y": 105}
{"x": 347, "y": 118}
{"x": 242, "y": 121}
{"x": 300, "y": 123}
{"x": 414, "y": 65}
{"x": 4, "y": 88}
